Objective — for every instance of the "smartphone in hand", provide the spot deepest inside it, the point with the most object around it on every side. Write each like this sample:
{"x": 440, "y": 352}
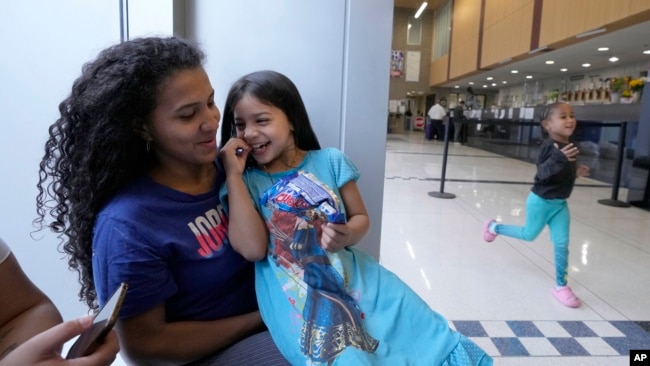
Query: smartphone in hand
{"x": 103, "y": 322}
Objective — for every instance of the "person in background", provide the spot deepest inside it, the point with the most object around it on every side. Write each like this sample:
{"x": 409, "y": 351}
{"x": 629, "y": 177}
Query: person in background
{"x": 408, "y": 119}
{"x": 437, "y": 114}
{"x": 130, "y": 179}
{"x": 31, "y": 328}
{"x": 472, "y": 103}
{"x": 325, "y": 302}
{"x": 547, "y": 202}
{"x": 460, "y": 126}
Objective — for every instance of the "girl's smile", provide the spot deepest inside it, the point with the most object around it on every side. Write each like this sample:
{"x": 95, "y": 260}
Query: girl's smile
{"x": 269, "y": 133}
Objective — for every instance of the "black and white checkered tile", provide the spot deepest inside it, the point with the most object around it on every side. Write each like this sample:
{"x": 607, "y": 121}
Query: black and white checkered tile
{"x": 556, "y": 338}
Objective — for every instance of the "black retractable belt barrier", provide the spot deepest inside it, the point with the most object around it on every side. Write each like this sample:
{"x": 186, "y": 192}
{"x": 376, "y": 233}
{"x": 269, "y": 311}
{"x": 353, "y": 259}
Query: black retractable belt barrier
{"x": 617, "y": 177}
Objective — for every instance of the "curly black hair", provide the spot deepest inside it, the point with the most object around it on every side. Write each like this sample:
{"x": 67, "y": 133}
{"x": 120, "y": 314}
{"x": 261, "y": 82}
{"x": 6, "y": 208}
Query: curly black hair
{"x": 95, "y": 147}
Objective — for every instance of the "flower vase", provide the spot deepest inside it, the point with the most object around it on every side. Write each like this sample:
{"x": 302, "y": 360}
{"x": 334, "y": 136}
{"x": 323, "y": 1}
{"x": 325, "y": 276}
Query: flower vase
{"x": 614, "y": 97}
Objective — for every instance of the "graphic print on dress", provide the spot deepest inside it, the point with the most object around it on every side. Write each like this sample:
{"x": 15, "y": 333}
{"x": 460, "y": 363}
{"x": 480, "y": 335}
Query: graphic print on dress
{"x": 332, "y": 319}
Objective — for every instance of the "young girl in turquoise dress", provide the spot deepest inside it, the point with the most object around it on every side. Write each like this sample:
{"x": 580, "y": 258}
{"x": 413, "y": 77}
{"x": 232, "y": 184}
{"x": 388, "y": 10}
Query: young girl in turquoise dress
{"x": 324, "y": 301}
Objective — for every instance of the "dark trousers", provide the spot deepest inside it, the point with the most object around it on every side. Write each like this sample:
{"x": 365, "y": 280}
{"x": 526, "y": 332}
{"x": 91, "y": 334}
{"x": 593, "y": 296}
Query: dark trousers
{"x": 256, "y": 350}
{"x": 435, "y": 130}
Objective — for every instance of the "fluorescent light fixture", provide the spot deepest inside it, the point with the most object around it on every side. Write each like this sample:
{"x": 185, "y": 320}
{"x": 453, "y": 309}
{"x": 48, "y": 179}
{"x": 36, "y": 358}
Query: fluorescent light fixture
{"x": 504, "y": 82}
{"x": 456, "y": 86}
{"x": 550, "y": 62}
{"x": 646, "y": 52}
{"x": 613, "y": 59}
{"x": 603, "y": 49}
{"x": 586, "y": 65}
{"x": 514, "y": 71}
{"x": 564, "y": 69}
{"x": 494, "y": 84}
{"x": 420, "y": 10}
{"x": 591, "y": 32}
{"x": 489, "y": 78}
{"x": 471, "y": 83}
{"x": 485, "y": 86}
{"x": 529, "y": 76}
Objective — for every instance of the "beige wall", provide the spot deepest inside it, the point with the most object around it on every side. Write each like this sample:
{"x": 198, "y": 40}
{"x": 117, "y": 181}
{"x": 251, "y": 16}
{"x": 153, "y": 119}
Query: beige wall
{"x": 563, "y": 19}
{"x": 507, "y": 28}
{"x": 509, "y": 33}
{"x": 399, "y": 86}
{"x": 464, "y": 38}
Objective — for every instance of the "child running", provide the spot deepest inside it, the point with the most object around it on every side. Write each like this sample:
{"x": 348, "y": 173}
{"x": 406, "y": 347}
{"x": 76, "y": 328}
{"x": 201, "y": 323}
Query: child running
{"x": 546, "y": 204}
{"x": 324, "y": 302}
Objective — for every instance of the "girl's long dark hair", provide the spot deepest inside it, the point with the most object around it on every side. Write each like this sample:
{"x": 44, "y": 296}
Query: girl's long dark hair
{"x": 95, "y": 146}
{"x": 272, "y": 88}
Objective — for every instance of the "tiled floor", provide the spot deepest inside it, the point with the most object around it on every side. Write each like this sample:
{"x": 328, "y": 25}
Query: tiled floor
{"x": 499, "y": 293}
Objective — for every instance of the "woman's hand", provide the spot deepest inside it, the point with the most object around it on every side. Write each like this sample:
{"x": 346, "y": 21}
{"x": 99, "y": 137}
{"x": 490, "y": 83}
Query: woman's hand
{"x": 42, "y": 349}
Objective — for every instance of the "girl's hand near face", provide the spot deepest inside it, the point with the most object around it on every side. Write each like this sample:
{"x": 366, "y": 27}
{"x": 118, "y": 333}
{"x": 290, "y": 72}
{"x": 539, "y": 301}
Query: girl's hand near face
{"x": 232, "y": 162}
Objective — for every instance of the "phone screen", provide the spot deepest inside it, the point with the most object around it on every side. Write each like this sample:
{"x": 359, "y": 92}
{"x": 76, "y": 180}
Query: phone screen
{"x": 103, "y": 321}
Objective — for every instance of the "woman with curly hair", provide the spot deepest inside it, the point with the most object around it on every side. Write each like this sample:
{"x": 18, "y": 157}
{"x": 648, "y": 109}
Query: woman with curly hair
{"x": 130, "y": 181}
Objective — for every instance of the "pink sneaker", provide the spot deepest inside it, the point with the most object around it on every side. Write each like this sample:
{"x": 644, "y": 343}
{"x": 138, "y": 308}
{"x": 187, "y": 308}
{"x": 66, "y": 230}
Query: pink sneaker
{"x": 566, "y": 296}
{"x": 487, "y": 235}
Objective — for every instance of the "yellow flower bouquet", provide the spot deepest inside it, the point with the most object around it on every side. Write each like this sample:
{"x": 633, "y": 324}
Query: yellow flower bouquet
{"x": 636, "y": 85}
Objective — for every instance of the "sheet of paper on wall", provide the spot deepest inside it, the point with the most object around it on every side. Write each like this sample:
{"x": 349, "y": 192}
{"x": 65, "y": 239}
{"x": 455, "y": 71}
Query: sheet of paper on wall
{"x": 392, "y": 106}
{"x": 413, "y": 66}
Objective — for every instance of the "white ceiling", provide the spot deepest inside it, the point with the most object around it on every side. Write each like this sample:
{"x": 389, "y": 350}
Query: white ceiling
{"x": 627, "y": 44}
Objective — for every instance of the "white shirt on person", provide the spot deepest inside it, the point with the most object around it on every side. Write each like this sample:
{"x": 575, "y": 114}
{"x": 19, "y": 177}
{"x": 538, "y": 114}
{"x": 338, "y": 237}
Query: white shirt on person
{"x": 437, "y": 112}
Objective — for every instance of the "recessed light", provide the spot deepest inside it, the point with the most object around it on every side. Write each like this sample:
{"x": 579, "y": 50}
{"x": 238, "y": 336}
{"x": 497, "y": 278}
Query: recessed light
{"x": 550, "y": 62}
{"x": 456, "y": 86}
{"x": 603, "y": 48}
{"x": 489, "y": 78}
{"x": 471, "y": 83}
{"x": 494, "y": 84}
{"x": 529, "y": 76}
{"x": 485, "y": 86}
{"x": 647, "y": 52}
{"x": 514, "y": 71}
{"x": 586, "y": 65}
{"x": 564, "y": 69}
{"x": 613, "y": 59}
{"x": 504, "y": 82}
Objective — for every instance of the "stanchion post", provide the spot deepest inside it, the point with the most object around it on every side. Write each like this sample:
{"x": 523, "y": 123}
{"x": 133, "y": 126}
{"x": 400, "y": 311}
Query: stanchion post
{"x": 442, "y": 193}
{"x": 617, "y": 173}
